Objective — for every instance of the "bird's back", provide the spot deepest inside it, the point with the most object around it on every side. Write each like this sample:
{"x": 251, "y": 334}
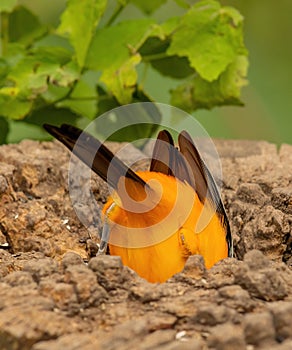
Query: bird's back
{"x": 156, "y": 242}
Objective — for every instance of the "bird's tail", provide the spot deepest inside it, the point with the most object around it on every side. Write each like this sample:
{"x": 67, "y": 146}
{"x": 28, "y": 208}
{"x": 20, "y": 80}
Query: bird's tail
{"x": 94, "y": 154}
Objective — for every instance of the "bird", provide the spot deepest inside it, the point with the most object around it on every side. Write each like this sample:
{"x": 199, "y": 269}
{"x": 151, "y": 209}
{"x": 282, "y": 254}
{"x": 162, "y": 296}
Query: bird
{"x": 155, "y": 219}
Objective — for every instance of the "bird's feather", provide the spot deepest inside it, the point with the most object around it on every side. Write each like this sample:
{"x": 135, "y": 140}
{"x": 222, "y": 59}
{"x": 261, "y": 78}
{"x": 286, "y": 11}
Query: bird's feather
{"x": 187, "y": 165}
{"x": 94, "y": 154}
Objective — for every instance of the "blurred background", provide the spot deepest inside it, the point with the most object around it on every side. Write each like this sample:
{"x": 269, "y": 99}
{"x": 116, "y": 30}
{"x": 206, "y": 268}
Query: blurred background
{"x": 268, "y": 97}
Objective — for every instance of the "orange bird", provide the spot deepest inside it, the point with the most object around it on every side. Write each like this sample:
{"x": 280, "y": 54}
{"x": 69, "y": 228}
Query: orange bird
{"x": 156, "y": 219}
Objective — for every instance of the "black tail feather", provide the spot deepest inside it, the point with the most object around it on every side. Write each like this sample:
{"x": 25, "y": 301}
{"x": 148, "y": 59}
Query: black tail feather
{"x": 93, "y": 153}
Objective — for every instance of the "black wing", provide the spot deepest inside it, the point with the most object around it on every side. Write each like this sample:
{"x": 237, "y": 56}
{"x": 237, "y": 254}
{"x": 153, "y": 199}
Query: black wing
{"x": 187, "y": 165}
{"x": 162, "y": 154}
{"x": 167, "y": 159}
{"x": 94, "y": 154}
{"x": 205, "y": 185}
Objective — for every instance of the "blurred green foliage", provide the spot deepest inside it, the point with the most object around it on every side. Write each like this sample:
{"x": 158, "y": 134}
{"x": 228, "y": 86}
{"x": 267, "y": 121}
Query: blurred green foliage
{"x": 267, "y": 114}
{"x": 101, "y": 54}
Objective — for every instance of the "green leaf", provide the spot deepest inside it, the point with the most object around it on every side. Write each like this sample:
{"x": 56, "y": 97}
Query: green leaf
{"x": 30, "y": 77}
{"x": 154, "y": 52}
{"x": 26, "y": 79}
{"x": 81, "y": 69}
{"x": 170, "y": 25}
{"x": 174, "y": 66}
{"x": 53, "y": 115}
{"x": 79, "y": 21}
{"x": 148, "y": 6}
{"x": 33, "y": 73}
{"x": 125, "y": 40}
{"x": 12, "y": 106}
{"x": 4, "y": 130}
{"x": 84, "y": 99}
{"x": 123, "y": 83}
{"x": 143, "y": 121}
{"x": 182, "y": 3}
{"x": 117, "y": 61}
{"x": 7, "y": 5}
{"x": 15, "y": 52}
{"x": 4, "y": 68}
{"x": 145, "y": 117}
{"x": 55, "y": 93}
{"x": 106, "y": 102}
{"x": 24, "y": 26}
{"x": 54, "y": 54}
{"x": 199, "y": 93}
{"x": 54, "y": 41}
{"x": 64, "y": 75}
{"x": 154, "y": 46}
{"x": 210, "y": 37}
{"x": 19, "y": 130}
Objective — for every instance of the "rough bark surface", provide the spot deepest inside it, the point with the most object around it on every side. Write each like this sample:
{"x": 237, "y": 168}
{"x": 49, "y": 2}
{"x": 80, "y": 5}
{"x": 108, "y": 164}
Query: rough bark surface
{"x": 54, "y": 295}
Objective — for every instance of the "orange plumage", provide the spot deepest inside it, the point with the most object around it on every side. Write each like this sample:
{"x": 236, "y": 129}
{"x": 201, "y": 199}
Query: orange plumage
{"x": 160, "y": 261}
{"x": 156, "y": 219}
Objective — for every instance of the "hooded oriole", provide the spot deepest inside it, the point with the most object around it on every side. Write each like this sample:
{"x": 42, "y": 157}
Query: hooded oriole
{"x": 156, "y": 219}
